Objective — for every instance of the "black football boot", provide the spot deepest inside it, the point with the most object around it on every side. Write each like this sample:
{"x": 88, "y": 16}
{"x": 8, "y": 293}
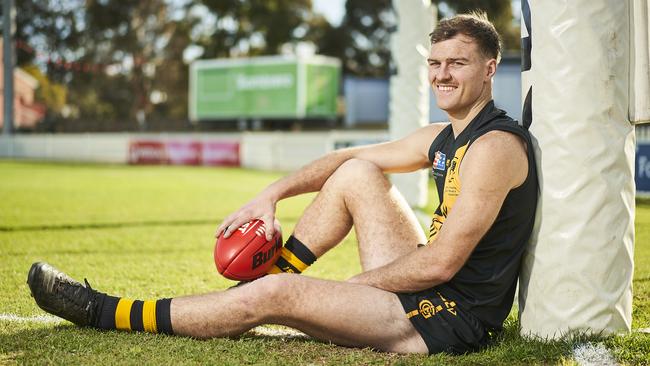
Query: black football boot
{"x": 60, "y": 295}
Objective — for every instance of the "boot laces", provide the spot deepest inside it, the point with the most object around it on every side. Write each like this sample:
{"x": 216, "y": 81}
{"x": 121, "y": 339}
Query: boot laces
{"x": 75, "y": 294}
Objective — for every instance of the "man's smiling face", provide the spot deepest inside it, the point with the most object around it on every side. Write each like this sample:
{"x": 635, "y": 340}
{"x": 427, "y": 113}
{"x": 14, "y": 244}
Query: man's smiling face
{"x": 459, "y": 74}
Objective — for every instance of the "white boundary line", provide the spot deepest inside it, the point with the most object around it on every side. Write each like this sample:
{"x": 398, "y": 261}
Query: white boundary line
{"x": 43, "y": 319}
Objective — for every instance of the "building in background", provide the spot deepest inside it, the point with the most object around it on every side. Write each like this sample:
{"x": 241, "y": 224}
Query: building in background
{"x": 27, "y": 112}
{"x": 366, "y": 100}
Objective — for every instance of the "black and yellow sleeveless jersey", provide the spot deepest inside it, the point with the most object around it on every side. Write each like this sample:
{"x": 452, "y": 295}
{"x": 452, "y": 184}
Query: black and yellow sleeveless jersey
{"x": 486, "y": 283}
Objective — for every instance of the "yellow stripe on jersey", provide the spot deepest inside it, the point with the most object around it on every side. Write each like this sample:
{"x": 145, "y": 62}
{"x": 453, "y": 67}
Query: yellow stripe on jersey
{"x": 295, "y": 261}
{"x": 450, "y": 193}
{"x": 149, "y": 316}
{"x": 123, "y": 314}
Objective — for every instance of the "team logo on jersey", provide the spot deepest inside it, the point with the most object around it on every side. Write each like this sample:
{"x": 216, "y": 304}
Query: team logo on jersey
{"x": 439, "y": 161}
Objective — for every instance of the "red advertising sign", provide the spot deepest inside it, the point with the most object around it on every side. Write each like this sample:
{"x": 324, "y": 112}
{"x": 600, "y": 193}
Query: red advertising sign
{"x": 184, "y": 152}
{"x": 213, "y": 153}
{"x": 147, "y": 152}
{"x": 221, "y": 153}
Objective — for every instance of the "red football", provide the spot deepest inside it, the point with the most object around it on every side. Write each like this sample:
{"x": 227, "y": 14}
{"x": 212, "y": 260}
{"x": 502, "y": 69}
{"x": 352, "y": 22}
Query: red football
{"x": 246, "y": 254}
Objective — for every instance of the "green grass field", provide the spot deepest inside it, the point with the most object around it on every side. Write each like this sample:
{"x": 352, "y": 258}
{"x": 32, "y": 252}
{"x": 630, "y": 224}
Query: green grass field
{"x": 147, "y": 232}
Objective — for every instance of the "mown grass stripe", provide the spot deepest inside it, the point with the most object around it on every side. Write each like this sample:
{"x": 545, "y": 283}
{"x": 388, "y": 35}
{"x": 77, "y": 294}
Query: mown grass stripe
{"x": 114, "y": 225}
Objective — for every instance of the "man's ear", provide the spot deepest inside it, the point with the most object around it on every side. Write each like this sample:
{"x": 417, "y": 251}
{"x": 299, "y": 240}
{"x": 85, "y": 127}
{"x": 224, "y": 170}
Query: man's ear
{"x": 491, "y": 68}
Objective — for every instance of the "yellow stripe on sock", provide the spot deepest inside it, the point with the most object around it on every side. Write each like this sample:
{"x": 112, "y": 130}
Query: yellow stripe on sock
{"x": 274, "y": 270}
{"x": 123, "y": 314}
{"x": 295, "y": 261}
{"x": 149, "y": 316}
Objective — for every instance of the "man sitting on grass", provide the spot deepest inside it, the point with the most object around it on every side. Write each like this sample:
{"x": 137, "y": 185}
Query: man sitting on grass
{"x": 448, "y": 295}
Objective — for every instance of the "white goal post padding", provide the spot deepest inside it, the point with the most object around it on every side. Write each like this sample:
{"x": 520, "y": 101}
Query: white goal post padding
{"x": 640, "y": 62}
{"x": 409, "y": 88}
{"x": 577, "y": 272}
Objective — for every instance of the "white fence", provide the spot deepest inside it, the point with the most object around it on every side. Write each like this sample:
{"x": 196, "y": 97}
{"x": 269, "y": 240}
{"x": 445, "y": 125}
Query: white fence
{"x": 261, "y": 150}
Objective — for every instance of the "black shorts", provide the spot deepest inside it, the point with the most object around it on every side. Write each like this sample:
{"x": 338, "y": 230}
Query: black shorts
{"x": 443, "y": 324}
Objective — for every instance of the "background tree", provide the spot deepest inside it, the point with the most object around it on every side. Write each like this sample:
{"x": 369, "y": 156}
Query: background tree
{"x": 362, "y": 40}
{"x": 125, "y": 60}
{"x": 54, "y": 26}
{"x": 130, "y": 37}
{"x": 172, "y": 77}
{"x": 250, "y": 28}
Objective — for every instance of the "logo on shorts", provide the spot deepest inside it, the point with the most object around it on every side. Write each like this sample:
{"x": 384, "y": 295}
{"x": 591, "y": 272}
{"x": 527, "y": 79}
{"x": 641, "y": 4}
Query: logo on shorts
{"x": 439, "y": 161}
{"x": 449, "y": 304}
{"x": 426, "y": 309}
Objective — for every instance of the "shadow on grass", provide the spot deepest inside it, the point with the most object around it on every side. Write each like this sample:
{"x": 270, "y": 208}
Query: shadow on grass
{"x": 67, "y": 344}
{"x": 56, "y": 330}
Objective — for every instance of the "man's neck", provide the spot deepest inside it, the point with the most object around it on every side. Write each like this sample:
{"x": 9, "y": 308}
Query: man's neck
{"x": 460, "y": 119}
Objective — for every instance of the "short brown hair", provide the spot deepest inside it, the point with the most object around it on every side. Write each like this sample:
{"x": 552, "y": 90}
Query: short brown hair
{"x": 474, "y": 25}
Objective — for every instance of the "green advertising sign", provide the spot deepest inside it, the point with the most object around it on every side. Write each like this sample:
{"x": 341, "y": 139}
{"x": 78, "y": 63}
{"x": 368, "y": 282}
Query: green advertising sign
{"x": 264, "y": 87}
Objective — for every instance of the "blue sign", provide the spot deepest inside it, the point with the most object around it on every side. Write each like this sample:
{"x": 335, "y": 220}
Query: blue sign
{"x": 642, "y": 167}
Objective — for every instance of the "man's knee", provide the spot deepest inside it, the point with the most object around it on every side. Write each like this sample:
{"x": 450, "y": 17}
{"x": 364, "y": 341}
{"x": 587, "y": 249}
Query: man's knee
{"x": 356, "y": 172}
{"x": 272, "y": 294}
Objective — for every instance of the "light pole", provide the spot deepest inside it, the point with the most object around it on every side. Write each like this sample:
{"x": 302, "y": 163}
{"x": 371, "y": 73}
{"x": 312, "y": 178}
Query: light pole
{"x": 8, "y": 17}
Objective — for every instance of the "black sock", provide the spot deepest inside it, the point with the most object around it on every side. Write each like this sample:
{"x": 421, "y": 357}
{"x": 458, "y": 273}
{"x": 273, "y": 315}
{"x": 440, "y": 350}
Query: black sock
{"x": 151, "y": 316}
{"x": 294, "y": 258}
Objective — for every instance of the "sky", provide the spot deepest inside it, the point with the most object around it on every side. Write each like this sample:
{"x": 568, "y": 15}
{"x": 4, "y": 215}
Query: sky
{"x": 332, "y": 9}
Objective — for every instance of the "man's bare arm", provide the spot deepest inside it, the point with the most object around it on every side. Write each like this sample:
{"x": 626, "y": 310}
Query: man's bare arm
{"x": 494, "y": 164}
{"x": 404, "y": 155}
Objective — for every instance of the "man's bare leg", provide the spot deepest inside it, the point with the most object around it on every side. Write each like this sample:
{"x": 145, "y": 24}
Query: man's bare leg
{"x": 342, "y": 313}
{"x": 358, "y": 193}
